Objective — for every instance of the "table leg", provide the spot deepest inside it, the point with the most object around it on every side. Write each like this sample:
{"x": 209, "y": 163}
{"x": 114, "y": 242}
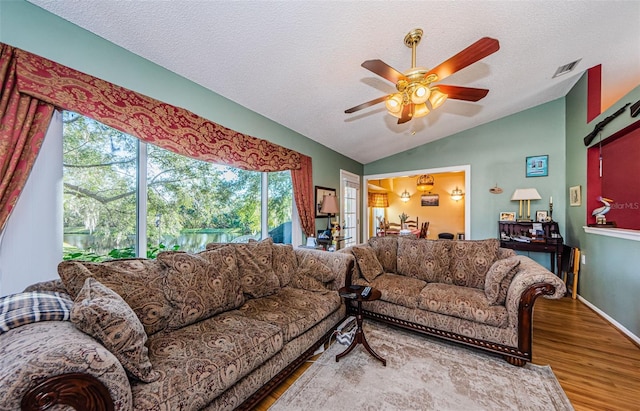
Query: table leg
{"x": 359, "y": 338}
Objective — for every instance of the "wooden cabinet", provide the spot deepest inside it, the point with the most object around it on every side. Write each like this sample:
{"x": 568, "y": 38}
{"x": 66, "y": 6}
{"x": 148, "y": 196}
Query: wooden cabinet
{"x": 548, "y": 241}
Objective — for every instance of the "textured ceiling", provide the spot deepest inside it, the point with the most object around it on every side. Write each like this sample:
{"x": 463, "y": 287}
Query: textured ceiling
{"x": 298, "y": 62}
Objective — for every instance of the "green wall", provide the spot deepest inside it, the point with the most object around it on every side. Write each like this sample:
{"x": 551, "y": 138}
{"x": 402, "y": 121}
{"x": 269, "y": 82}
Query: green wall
{"x": 496, "y": 152}
{"x": 33, "y": 29}
{"x": 610, "y": 278}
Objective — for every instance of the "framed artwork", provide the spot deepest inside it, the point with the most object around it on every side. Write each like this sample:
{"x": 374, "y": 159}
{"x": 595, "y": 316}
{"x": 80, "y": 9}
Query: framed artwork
{"x": 508, "y": 216}
{"x": 320, "y": 193}
{"x": 575, "y": 196}
{"x": 538, "y": 166}
{"x": 430, "y": 200}
{"x": 542, "y": 215}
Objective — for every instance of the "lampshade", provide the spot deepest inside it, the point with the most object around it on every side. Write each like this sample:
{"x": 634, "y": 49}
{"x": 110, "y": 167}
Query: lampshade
{"x": 329, "y": 205}
{"x": 420, "y": 94}
{"x": 525, "y": 194}
{"x": 405, "y": 196}
{"x": 437, "y": 98}
{"x": 425, "y": 182}
{"x": 378, "y": 200}
{"x": 457, "y": 194}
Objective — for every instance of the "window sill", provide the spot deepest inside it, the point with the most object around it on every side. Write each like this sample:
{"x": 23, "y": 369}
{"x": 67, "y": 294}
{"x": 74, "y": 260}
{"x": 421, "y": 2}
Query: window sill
{"x": 633, "y": 235}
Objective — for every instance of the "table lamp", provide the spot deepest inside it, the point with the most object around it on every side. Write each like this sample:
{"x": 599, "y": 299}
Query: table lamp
{"x": 525, "y": 194}
{"x": 330, "y": 207}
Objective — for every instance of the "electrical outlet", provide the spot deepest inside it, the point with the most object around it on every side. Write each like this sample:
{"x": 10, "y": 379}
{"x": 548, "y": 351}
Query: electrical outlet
{"x": 584, "y": 259}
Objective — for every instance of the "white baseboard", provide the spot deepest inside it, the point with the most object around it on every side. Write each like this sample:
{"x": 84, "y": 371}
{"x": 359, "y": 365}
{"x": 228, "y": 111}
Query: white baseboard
{"x": 613, "y": 322}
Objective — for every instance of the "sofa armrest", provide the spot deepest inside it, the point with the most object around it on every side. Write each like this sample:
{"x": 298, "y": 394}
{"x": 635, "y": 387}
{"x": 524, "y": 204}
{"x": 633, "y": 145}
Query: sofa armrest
{"x": 341, "y": 264}
{"x": 51, "y": 355}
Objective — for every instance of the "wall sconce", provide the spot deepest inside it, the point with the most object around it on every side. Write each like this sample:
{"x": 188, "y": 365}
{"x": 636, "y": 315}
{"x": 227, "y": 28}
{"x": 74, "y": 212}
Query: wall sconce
{"x": 525, "y": 194}
{"x": 405, "y": 196}
{"x": 457, "y": 194}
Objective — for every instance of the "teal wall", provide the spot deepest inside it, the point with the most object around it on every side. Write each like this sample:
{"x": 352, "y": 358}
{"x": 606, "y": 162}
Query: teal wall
{"x": 610, "y": 277}
{"x": 33, "y": 29}
{"x": 496, "y": 152}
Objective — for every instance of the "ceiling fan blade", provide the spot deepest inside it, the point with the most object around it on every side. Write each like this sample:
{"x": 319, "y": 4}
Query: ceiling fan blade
{"x": 407, "y": 113}
{"x": 463, "y": 93}
{"x": 365, "y": 105}
{"x": 384, "y": 70}
{"x": 477, "y": 51}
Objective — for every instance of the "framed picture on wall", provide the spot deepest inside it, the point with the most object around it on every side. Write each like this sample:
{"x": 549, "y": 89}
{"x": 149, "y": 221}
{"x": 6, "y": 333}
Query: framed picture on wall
{"x": 575, "y": 196}
{"x": 537, "y": 166}
{"x": 320, "y": 193}
{"x": 430, "y": 200}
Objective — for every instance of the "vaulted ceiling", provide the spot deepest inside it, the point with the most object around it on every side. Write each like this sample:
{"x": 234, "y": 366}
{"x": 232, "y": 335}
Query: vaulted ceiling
{"x": 298, "y": 62}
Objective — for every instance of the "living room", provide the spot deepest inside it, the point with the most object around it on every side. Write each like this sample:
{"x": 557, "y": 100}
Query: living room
{"x": 495, "y": 152}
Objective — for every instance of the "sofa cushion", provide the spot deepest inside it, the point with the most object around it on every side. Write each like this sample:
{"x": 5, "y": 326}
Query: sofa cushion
{"x": 104, "y": 315}
{"x": 367, "y": 261}
{"x": 397, "y": 289}
{"x": 471, "y": 260}
{"x": 285, "y": 263}
{"x": 498, "y": 279}
{"x": 315, "y": 267}
{"x": 462, "y": 302}
{"x": 386, "y": 249}
{"x": 426, "y": 260}
{"x": 139, "y": 281}
{"x": 293, "y": 310}
{"x": 202, "y": 360}
{"x": 255, "y": 265}
{"x": 29, "y": 307}
{"x": 201, "y": 285}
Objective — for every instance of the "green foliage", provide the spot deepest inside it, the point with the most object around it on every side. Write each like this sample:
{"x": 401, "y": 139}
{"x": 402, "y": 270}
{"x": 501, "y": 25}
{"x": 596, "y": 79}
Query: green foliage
{"x": 185, "y": 197}
{"x": 72, "y": 253}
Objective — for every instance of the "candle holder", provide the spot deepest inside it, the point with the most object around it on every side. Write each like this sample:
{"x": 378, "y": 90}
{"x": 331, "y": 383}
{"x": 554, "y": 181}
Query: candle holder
{"x": 550, "y": 211}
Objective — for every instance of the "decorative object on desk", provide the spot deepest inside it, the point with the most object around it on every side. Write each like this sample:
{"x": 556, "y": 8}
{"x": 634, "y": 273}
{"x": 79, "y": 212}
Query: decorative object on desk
{"x": 378, "y": 200}
{"x": 507, "y": 216}
{"x": 537, "y": 166}
{"x": 457, "y": 194}
{"x": 403, "y": 219}
{"x": 550, "y": 209}
{"x": 329, "y": 207}
{"x": 320, "y": 193}
{"x": 600, "y": 212}
{"x": 425, "y": 182}
{"x": 495, "y": 190}
{"x": 430, "y": 200}
{"x": 575, "y": 196}
{"x": 405, "y": 196}
{"x": 311, "y": 242}
{"x": 525, "y": 194}
{"x": 542, "y": 215}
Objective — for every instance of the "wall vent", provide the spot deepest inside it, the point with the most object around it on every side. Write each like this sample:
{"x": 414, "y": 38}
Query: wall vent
{"x": 566, "y": 68}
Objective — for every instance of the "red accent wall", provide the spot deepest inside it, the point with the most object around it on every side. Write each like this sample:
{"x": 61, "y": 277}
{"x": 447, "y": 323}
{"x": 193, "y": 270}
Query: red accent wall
{"x": 619, "y": 181}
{"x": 594, "y": 92}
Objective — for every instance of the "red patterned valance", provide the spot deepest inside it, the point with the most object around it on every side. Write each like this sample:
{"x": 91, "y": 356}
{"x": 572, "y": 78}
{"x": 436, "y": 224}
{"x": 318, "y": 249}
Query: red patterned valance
{"x": 172, "y": 128}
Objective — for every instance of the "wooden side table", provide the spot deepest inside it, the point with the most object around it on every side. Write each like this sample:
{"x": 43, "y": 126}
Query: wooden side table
{"x": 359, "y": 337}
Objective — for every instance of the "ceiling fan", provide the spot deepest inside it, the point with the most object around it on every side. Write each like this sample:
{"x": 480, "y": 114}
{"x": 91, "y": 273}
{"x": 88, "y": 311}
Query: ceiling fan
{"x": 416, "y": 95}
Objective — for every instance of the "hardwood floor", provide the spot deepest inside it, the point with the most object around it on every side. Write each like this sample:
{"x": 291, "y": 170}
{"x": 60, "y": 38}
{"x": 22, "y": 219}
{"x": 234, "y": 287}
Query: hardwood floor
{"x": 597, "y": 366}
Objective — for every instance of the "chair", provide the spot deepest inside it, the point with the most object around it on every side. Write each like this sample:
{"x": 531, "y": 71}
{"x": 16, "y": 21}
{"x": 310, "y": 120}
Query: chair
{"x": 571, "y": 266}
{"x": 412, "y": 224}
{"x": 392, "y": 229}
{"x": 424, "y": 230}
{"x": 445, "y": 236}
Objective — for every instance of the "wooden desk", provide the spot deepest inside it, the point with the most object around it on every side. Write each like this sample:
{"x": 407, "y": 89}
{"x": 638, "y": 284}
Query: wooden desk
{"x": 552, "y": 241}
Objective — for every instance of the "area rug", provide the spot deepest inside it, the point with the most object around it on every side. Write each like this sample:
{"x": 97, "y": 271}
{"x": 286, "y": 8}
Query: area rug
{"x": 422, "y": 373}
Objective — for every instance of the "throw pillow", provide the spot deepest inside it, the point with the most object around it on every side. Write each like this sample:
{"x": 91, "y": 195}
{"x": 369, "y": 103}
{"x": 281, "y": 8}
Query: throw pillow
{"x": 386, "y": 249}
{"x": 255, "y": 265}
{"x": 139, "y": 281}
{"x": 498, "y": 279}
{"x": 303, "y": 279}
{"x": 426, "y": 260}
{"x": 367, "y": 261}
{"x": 285, "y": 263}
{"x": 104, "y": 315}
{"x": 471, "y": 260}
{"x": 29, "y": 307}
{"x": 311, "y": 263}
{"x": 201, "y": 285}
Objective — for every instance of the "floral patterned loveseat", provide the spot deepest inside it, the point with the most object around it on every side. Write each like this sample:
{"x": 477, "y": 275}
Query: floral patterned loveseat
{"x": 471, "y": 292}
{"x": 213, "y": 330}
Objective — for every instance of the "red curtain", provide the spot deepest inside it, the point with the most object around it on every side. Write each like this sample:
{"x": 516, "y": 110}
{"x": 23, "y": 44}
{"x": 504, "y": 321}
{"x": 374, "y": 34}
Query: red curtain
{"x": 303, "y": 195}
{"x": 23, "y": 124}
{"x": 172, "y": 128}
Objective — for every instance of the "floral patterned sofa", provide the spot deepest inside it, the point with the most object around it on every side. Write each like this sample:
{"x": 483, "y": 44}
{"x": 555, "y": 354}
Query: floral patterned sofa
{"x": 213, "y": 330}
{"x": 471, "y": 292}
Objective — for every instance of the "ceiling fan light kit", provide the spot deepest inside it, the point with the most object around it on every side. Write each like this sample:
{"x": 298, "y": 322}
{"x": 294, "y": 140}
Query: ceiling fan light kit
{"x": 417, "y": 96}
